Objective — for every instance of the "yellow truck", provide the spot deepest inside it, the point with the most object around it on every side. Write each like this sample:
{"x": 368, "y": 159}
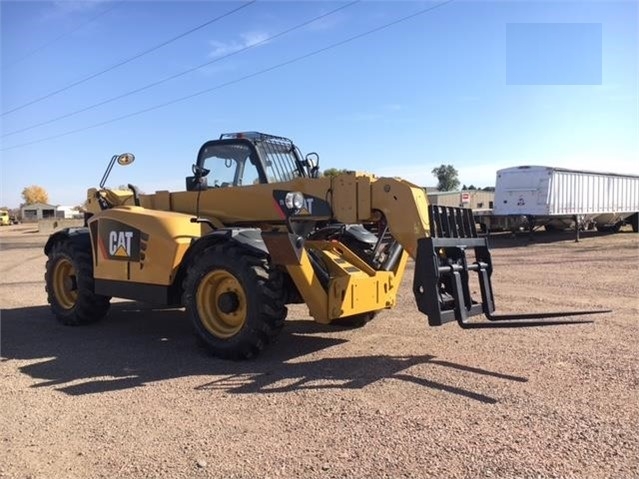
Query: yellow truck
{"x": 4, "y": 218}
{"x": 258, "y": 228}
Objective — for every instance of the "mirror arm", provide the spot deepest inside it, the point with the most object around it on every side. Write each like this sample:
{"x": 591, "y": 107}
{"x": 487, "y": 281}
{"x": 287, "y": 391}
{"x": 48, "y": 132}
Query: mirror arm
{"x": 123, "y": 159}
{"x": 108, "y": 170}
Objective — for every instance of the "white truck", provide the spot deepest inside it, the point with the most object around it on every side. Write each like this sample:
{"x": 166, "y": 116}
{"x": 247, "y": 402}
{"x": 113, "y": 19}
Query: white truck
{"x": 561, "y": 198}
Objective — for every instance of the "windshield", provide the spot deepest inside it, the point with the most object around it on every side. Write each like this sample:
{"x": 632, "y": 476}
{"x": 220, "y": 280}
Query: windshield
{"x": 279, "y": 158}
{"x": 230, "y": 165}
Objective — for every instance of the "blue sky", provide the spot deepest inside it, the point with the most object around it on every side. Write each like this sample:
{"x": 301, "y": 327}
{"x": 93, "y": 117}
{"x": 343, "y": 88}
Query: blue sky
{"x": 431, "y": 90}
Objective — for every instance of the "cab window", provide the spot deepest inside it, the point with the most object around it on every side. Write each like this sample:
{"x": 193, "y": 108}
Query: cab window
{"x": 280, "y": 161}
{"x": 229, "y": 165}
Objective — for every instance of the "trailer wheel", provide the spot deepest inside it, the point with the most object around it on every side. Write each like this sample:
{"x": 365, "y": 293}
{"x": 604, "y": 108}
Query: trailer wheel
{"x": 634, "y": 222}
{"x": 235, "y": 301}
{"x": 69, "y": 285}
{"x": 609, "y": 228}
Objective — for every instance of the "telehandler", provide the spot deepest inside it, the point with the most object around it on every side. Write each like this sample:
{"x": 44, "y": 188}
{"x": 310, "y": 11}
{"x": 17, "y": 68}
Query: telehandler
{"x": 257, "y": 228}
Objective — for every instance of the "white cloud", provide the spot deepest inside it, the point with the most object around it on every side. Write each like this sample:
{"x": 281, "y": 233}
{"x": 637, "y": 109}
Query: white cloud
{"x": 247, "y": 40}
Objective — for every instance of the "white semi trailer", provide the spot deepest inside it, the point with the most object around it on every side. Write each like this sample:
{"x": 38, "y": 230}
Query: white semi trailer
{"x": 560, "y": 198}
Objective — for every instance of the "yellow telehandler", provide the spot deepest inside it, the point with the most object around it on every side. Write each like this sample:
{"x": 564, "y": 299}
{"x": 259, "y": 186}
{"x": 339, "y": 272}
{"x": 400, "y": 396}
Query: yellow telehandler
{"x": 257, "y": 228}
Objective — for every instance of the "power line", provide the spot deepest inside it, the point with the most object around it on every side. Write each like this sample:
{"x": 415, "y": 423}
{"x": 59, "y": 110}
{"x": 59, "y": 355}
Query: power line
{"x": 128, "y": 60}
{"x": 59, "y": 37}
{"x": 182, "y": 73}
{"x": 237, "y": 80}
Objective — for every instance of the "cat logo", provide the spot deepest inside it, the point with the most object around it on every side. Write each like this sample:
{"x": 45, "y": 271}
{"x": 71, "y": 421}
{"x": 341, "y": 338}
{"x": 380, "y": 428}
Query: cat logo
{"x": 117, "y": 240}
{"x": 120, "y": 243}
{"x": 307, "y": 209}
{"x": 311, "y": 205}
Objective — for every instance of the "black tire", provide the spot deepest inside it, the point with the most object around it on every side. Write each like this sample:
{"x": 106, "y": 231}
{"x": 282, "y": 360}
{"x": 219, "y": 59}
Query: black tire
{"x": 69, "y": 285}
{"x": 250, "y": 309}
{"x": 634, "y": 222}
{"x": 609, "y": 228}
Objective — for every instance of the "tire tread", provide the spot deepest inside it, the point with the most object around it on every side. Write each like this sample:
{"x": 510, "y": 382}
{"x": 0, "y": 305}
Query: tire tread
{"x": 263, "y": 324}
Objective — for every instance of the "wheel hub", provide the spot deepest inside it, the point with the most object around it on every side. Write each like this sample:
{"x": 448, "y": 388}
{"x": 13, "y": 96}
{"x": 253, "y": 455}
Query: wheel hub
{"x": 221, "y": 303}
{"x": 228, "y": 302}
{"x": 65, "y": 286}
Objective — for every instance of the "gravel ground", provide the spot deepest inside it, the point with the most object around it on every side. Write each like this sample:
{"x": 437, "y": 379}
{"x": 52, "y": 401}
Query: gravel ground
{"x": 134, "y": 396}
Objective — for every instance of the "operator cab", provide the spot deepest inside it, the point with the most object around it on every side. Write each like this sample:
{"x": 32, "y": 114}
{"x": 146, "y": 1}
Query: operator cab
{"x": 249, "y": 158}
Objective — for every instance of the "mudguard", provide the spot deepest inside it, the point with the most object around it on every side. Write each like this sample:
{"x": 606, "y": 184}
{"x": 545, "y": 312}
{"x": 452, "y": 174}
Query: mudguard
{"x": 81, "y": 235}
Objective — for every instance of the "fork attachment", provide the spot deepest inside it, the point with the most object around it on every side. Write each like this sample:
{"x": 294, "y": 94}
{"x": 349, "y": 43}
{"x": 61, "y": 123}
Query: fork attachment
{"x": 442, "y": 271}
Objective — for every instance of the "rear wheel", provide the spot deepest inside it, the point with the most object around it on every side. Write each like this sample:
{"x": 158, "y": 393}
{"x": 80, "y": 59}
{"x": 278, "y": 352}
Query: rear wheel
{"x": 69, "y": 285}
{"x": 234, "y": 300}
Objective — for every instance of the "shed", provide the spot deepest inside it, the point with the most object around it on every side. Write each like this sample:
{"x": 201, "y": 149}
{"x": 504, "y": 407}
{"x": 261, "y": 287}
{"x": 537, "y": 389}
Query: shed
{"x": 475, "y": 199}
{"x": 37, "y": 211}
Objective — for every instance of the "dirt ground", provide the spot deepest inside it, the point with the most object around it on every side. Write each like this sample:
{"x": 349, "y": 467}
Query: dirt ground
{"x": 134, "y": 396}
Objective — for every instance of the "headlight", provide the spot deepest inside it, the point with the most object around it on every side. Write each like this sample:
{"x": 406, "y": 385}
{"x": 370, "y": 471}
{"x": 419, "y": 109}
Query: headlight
{"x": 294, "y": 200}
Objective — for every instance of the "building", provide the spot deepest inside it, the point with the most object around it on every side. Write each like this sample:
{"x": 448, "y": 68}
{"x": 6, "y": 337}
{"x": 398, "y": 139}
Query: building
{"x": 475, "y": 199}
{"x": 68, "y": 212}
{"x": 38, "y": 211}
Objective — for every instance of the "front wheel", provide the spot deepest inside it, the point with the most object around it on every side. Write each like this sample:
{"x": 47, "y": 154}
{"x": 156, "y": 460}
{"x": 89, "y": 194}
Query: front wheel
{"x": 69, "y": 285}
{"x": 235, "y": 301}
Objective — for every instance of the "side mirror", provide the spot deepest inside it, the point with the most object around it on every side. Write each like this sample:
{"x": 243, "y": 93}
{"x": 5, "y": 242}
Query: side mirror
{"x": 199, "y": 172}
{"x": 312, "y": 163}
{"x": 196, "y": 183}
{"x": 125, "y": 159}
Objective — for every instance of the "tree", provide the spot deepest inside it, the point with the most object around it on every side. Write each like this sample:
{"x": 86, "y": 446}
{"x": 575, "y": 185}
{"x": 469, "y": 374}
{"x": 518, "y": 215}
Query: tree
{"x": 446, "y": 177}
{"x": 488, "y": 188}
{"x": 334, "y": 172}
{"x": 34, "y": 194}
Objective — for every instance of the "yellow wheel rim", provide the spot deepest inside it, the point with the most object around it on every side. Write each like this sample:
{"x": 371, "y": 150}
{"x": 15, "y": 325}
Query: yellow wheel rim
{"x": 65, "y": 286}
{"x": 221, "y": 304}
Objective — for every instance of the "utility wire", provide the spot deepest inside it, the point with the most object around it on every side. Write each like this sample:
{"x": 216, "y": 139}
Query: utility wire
{"x": 59, "y": 37}
{"x": 237, "y": 80}
{"x": 182, "y": 73}
{"x": 128, "y": 60}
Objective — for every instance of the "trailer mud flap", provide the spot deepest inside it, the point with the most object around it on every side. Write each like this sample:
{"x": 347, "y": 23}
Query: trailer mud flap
{"x": 442, "y": 273}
